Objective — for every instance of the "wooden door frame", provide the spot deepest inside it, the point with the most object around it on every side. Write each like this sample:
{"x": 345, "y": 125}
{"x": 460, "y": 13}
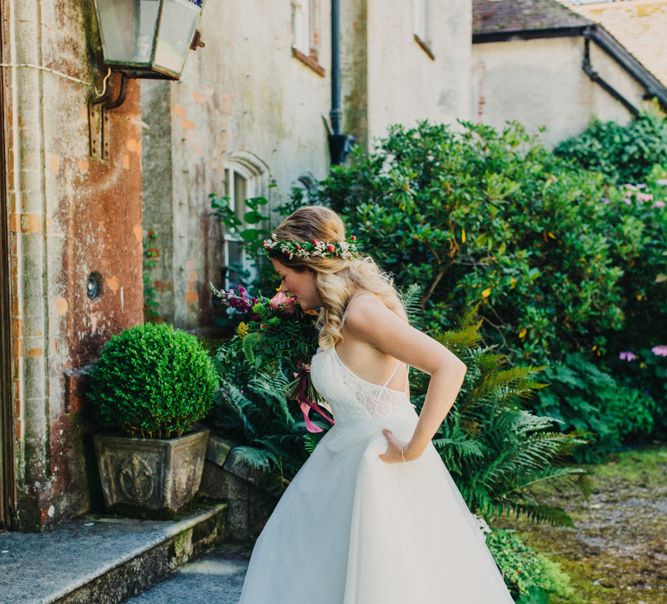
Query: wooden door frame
{"x": 7, "y": 495}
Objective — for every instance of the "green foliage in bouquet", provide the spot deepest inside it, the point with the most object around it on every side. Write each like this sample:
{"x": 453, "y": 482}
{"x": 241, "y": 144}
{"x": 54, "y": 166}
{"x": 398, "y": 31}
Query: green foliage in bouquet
{"x": 490, "y": 217}
{"x": 586, "y": 398}
{"x": 531, "y": 577}
{"x": 152, "y": 381}
{"x": 255, "y": 404}
{"x": 623, "y": 153}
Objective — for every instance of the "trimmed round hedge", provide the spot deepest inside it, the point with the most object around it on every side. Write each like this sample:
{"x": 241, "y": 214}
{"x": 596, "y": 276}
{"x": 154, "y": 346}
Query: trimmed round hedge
{"x": 152, "y": 381}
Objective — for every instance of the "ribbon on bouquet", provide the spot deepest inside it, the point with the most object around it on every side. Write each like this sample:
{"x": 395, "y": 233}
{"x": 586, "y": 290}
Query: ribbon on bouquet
{"x": 306, "y": 403}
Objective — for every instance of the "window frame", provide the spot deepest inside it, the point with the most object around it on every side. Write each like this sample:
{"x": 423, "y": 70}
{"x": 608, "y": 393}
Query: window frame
{"x": 307, "y": 53}
{"x": 421, "y": 26}
{"x": 256, "y": 176}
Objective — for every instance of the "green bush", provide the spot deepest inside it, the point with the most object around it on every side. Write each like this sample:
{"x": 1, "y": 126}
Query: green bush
{"x": 559, "y": 260}
{"x": 585, "y": 397}
{"x": 494, "y": 448}
{"x": 482, "y": 216}
{"x": 152, "y": 381}
{"x": 624, "y": 154}
{"x": 531, "y": 577}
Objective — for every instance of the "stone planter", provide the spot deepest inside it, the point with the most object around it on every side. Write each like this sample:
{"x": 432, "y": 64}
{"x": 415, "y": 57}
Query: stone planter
{"x": 141, "y": 475}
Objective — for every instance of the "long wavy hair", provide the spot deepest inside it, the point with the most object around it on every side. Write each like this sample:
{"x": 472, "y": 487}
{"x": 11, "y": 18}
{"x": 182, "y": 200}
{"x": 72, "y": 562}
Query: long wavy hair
{"x": 336, "y": 279}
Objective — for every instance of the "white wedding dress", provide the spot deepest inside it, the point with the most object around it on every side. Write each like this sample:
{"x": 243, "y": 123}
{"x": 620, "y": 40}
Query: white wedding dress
{"x": 354, "y": 529}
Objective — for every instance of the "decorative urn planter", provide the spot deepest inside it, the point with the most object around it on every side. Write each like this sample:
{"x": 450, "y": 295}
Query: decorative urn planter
{"x": 149, "y": 388}
{"x": 150, "y": 475}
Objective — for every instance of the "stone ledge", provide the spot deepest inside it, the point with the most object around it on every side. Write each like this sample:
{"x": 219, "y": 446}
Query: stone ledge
{"x": 104, "y": 560}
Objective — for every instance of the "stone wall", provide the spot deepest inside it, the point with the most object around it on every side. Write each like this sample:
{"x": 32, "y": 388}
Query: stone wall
{"x": 71, "y": 213}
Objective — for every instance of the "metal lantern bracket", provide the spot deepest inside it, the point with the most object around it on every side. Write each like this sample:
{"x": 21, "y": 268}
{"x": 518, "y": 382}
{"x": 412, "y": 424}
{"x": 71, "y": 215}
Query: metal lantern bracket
{"x": 98, "y": 117}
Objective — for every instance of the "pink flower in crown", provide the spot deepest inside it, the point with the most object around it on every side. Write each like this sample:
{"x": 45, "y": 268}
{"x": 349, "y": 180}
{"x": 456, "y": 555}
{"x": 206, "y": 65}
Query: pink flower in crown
{"x": 283, "y": 302}
{"x": 659, "y": 204}
{"x": 660, "y": 351}
{"x": 627, "y": 355}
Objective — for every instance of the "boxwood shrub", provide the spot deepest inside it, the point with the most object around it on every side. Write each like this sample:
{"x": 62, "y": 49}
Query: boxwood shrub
{"x": 152, "y": 381}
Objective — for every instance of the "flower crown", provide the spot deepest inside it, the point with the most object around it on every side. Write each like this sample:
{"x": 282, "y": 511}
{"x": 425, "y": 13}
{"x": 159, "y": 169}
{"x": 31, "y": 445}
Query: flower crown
{"x": 313, "y": 248}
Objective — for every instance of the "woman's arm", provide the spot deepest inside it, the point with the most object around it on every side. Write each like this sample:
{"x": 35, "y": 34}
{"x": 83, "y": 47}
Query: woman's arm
{"x": 371, "y": 321}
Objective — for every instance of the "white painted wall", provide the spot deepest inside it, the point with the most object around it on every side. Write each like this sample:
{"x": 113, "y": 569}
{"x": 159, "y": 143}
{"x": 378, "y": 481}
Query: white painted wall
{"x": 541, "y": 83}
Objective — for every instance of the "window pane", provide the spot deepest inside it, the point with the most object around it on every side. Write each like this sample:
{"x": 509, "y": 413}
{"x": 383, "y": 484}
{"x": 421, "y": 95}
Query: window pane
{"x": 421, "y": 19}
{"x": 301, "y": 25}
{"x": 234, "y": 263}
{"x": 240, "y": 195}
{"x": 127, "y": 29}
{"x": 177, "y": 27}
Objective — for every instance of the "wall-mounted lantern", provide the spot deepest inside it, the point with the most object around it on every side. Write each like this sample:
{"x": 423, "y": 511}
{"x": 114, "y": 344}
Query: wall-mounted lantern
{"x": 147, "y": 38}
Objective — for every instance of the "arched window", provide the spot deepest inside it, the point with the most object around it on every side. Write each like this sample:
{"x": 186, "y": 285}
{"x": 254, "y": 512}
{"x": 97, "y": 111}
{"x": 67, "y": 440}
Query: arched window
{"x": 246, "y": 176}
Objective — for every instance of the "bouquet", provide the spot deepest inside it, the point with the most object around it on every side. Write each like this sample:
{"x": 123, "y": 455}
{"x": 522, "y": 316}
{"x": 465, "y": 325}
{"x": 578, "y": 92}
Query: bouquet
{"x": 273, "y": 337}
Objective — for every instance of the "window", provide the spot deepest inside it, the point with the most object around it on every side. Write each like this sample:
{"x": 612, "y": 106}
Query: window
{"x": 305, "y": 33}
{"x": 246, "y": 176}
{"x": 301, "y": 26}
{"x": 422, "y": 25}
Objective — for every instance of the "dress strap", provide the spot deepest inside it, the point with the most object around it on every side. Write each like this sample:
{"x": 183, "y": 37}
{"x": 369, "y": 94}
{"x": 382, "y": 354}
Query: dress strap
{"x": 347, "y": 307}
{"x": 393, "y": 373}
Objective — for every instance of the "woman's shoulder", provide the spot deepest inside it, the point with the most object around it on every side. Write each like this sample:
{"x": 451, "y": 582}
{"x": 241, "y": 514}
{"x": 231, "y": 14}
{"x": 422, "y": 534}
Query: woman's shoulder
{"x": 364, "y": 306}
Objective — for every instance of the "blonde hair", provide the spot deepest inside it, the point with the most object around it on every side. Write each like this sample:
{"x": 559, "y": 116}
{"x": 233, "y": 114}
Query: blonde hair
{"x": 336, "y": 279}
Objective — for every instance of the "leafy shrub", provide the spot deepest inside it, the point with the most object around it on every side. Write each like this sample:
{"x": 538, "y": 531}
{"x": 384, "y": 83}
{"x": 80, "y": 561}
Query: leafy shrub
{"x": 624, "y": 154}
{"x": 488, "y": 217}
{"x": 152, "y": 381}
{"x": 494, "y": 448}
{"x": 584, "y": 397}
{"x": 637, "y": 230}
{"x": 530, "y": 576}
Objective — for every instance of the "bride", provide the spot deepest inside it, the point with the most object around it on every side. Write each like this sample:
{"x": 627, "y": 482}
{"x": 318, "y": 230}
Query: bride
{"x": 373, "y": 516}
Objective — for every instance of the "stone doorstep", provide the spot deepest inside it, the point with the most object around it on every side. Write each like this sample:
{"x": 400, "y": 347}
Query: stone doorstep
{"x": 103, "y": 560}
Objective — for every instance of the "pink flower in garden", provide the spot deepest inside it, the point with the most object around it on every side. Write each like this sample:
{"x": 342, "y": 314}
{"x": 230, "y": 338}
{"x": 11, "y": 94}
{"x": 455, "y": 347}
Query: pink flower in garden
{"x": 659, "y": 204}
{"x": 644, "y": 197}
{"x": 627, "y": 356}
{"x": 660, "y": 351}
{"x": 283, "y": 302}
{"x": 605, "y": 200}
{"x": 627, "y": 201}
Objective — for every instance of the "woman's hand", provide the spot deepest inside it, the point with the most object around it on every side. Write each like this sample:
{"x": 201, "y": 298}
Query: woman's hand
{"x": 394, "y": 448}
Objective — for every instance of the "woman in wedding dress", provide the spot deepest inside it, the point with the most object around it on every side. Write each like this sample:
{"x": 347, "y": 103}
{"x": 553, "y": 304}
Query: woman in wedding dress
{"x": 373, "y": 516}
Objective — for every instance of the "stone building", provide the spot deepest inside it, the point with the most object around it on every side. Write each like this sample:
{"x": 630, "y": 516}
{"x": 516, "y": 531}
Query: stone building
{"x": 543, "y": 64}
{"x": 80, "y": 186}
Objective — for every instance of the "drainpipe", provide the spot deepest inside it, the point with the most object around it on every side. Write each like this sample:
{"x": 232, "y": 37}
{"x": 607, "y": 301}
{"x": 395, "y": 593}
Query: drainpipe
{"x": 339, "y": 144}
{"x": 595, "y": 76}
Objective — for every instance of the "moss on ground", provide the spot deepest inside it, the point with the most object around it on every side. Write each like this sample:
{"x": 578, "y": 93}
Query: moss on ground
{"x": 617, "y": 551}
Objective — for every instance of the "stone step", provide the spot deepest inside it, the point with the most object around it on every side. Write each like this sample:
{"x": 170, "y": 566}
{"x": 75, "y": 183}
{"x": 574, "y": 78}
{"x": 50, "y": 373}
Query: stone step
{"x": 215, "y": 577}
{"x": 102, "y": 559}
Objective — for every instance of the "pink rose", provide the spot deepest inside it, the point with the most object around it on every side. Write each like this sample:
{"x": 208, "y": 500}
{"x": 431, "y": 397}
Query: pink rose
{"x": 283, "y": 302}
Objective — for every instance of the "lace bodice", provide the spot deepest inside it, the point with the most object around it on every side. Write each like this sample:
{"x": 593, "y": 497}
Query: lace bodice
{"x": 351, "y": 397}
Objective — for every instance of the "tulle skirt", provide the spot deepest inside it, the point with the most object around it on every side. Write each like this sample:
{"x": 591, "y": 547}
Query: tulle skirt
{"x": 353, "y": 529}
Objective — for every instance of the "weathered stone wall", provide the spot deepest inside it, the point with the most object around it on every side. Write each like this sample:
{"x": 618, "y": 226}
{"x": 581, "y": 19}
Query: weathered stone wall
{"x": 541, "y": 83}
{"x": 70, "y": 214}
{"x": 244, "y": 93}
